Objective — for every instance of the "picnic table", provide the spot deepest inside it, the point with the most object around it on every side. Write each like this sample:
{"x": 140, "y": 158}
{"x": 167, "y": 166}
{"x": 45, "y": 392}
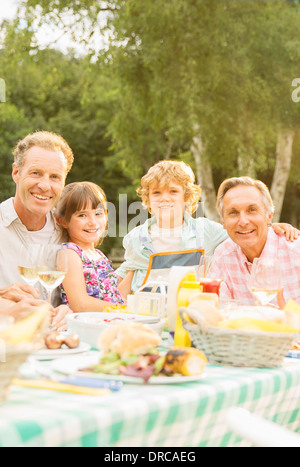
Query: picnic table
{"x": 172, "y": 415}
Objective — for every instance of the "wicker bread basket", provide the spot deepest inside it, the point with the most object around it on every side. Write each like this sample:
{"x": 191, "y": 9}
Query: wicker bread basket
{"x": 239, "y": 347}
{"x": 9, "y": 368}
{"x": 13, "y": 356}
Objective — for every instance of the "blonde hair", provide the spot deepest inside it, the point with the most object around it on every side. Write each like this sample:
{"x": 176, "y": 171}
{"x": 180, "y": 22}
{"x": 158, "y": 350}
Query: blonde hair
{"x": 76, "y": 197}
{"x": 165, "y": 172}
{"x": 45, "y": 140}
{"x": 245, "y": 181}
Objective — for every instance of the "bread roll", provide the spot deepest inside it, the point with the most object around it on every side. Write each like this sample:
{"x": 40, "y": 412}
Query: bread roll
{"x": 204, "y": 311}
{"x": 128, "y": 338}
{"x": 265, "y": 313}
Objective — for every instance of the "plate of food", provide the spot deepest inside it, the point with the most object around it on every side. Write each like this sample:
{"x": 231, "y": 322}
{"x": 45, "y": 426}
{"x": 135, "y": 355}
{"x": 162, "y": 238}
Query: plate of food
{"x": 59, "y": 345}
{"x": 295, "y": 350}
{"x": 129, "y": 353}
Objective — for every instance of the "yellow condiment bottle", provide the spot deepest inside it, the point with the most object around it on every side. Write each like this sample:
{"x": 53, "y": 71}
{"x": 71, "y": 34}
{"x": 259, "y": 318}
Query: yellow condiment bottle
{"x": 187, "y": 287}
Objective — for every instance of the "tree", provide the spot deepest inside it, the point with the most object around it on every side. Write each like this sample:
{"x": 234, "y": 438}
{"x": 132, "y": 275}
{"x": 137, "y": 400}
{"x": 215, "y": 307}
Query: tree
{"x": 48, "y": 90}
{"x": 205, "y": 81}
{"x": 224, "y": 94}
{"x": 12, "y": 125}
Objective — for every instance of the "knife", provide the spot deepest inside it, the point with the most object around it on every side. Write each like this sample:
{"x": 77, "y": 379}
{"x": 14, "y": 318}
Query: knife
{"x": 77, "y": 380}
{"x": 111, "y": 384}
{"x": 61, "y": 387}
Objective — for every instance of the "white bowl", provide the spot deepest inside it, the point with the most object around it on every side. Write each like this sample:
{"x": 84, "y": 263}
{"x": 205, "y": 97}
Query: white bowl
{"x": 89, "y": 325}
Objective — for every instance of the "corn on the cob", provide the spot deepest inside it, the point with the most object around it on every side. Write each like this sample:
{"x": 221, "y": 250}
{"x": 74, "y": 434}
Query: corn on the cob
{"x": 187, "y": 361}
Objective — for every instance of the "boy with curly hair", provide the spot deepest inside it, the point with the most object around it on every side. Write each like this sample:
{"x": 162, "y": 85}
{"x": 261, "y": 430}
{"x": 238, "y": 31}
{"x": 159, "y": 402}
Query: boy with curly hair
{"x": 170, "y": 194}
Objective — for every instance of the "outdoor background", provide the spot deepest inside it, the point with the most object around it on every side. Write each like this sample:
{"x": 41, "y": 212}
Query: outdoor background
{"x": 130, "y": 82}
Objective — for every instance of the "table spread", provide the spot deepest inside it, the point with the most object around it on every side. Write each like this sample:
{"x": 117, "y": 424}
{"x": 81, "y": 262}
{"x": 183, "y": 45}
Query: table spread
{"x": 179, "y": 415}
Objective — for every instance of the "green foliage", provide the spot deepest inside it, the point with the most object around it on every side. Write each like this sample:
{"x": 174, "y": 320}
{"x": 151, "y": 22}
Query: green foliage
{"x": 225, "y": 67}
{"x": 172, "y": 67}
{"x": 47, "y": 90}
{"x": 12, "y": 125}
{"x": 222, "y": 66}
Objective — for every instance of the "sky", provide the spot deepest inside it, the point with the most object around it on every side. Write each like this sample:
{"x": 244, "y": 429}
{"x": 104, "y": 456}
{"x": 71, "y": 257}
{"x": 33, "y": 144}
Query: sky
{"x": 46, "y": 34}
{"x": 8, "y": 9}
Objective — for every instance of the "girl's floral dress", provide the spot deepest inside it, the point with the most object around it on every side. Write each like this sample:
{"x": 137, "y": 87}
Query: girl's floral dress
{"x": 101, "y": 280}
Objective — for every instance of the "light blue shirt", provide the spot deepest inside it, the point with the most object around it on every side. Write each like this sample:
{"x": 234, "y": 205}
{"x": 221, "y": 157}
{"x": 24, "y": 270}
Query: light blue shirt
{"x": 199, "y": 233}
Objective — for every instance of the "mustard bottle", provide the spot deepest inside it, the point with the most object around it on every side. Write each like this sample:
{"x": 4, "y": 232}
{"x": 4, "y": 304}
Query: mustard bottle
{"x": 187, "y": 287}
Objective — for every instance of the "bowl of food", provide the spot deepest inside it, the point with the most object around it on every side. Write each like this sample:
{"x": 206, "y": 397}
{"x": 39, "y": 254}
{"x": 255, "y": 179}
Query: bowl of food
{"x": 88, "y": 326}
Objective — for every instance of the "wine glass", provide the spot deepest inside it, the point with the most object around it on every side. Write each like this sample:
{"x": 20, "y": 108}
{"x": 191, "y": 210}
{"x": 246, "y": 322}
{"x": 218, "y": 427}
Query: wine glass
{"x": 265, "y": 279}
{"x": 52, "y": 266}
{"x": 27, "y": 263}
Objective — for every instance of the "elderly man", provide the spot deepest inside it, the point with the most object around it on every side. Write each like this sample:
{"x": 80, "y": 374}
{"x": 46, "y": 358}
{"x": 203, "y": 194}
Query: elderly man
{"x": 246, "y": 210}
{"x": 42, "y": 161}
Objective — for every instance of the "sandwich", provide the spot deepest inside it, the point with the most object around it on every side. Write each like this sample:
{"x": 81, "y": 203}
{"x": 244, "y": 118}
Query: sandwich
{"x": 130, "y": 349}
{"x": 128, "y": 338}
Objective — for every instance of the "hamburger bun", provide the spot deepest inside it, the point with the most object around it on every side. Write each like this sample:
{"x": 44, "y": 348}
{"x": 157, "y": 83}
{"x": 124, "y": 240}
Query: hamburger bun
{"x": 202, "y": 311}
{"x": 128, "y": 338}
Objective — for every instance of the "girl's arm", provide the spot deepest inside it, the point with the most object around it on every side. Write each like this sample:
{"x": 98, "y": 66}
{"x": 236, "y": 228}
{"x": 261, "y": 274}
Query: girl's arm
{"x": 75, "y": 287}
{"x": 125, "y": 284}
{"x": 280, "y": 299}
{"x": 288, "y": 230}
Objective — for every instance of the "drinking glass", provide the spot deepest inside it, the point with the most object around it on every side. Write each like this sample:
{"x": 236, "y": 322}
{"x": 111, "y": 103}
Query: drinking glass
{"x": 203, "y": 266}
{"x": 265, "y": 279}
{"x": 209, "y": 285}
{"x": 27, "y": 263}
{"x": 52, "y": 266}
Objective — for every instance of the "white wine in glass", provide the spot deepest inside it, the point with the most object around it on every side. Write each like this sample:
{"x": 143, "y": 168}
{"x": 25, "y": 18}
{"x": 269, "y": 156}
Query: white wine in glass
{"x": 265, "y": 279}
{"x": 27, "y": 263}
{"x": 51, "y": 279}
{"x": 52, "y": 266}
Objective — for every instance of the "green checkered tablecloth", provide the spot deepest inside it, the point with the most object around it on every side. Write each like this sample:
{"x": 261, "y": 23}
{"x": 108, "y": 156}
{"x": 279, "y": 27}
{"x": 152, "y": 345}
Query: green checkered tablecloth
{"x": 185, "y": 415}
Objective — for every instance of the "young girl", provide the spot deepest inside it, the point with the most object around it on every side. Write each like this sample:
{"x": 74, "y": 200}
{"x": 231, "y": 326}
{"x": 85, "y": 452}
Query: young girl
{"x": 91, "y": 281}
{"x": 170, "y": 194}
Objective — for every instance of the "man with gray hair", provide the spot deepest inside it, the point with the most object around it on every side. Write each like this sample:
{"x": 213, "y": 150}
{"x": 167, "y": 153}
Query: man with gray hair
{"x": 246, "y": 210}
{"x": 42, "y": 161}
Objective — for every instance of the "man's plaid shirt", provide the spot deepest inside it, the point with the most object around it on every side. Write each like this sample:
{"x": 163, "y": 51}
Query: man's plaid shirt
{"x": 231, "y": 265}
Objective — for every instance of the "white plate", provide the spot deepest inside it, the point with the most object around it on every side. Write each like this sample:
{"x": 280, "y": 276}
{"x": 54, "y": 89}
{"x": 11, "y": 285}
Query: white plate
{"x": 50, "y": 354}
{"x": 104, "y": 318}
{"x": 294, "y": 354}
{"x": 72, "y": 366}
